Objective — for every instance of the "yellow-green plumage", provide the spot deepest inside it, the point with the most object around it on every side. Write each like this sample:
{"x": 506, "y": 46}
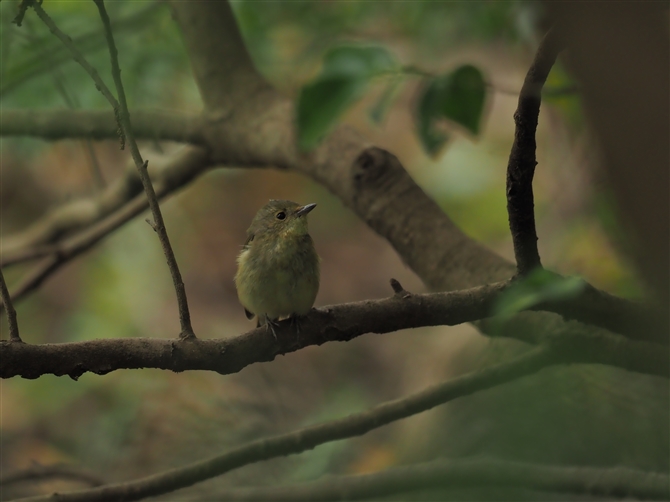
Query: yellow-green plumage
{"x": 278, "y": 268}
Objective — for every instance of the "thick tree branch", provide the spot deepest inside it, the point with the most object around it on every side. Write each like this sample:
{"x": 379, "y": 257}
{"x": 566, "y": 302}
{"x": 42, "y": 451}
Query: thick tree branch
{"x": 479, "y": 473}
{"x": 522, "y": 162}
{"x": 160, "y": 125}
{"x": 141, "y": 165}
{"x": 233, "y": 78}
{"x": 343, "y": 322}
{"x": 308, "y": 438}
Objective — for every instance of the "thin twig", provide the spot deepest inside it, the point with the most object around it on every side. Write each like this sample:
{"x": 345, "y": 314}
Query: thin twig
{"x": 307, "y": 438}
{"x": 124, "y": 117}
{"x": 522, "y": 162}
{"x": 9, "y": 309}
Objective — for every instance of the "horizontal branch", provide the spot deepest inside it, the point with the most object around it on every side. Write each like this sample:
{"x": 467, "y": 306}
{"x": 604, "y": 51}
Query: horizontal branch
{"x": 308, "y": 438}
{"x": 101, "y": 124}
{"x": 334, "y": 323}
{"x": 479, "y": 473}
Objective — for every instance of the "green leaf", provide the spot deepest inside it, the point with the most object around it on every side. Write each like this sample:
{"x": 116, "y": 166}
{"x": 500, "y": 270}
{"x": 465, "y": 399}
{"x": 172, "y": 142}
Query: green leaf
{"x": 538, "y": 287}
{"x": 458, "y": 97}
{"x": 463, "y": 100}
{"x": 346, "y": 73}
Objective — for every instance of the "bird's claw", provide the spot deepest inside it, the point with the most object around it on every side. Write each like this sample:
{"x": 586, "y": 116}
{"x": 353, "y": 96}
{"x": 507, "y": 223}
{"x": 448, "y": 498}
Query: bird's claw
{"x": 270, "y": 325}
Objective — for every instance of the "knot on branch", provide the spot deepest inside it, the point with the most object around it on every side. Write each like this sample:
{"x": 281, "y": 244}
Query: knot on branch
{"x": 399, "y": 291}
{"x": 372, "y": 164}
{"x": 186, "y": 334}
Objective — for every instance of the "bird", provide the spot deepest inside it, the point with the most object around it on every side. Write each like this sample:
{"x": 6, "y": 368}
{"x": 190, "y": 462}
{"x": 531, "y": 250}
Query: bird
{"x": 278, "y": 268}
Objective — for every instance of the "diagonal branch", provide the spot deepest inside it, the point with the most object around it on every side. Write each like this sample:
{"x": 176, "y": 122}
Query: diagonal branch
{"x": 309, "y": 437}
{"x": 522, "y": 162}
{"x": 187, "y": 165}
{"x": 615, "y": 482}
{"x": 41, "y": 238}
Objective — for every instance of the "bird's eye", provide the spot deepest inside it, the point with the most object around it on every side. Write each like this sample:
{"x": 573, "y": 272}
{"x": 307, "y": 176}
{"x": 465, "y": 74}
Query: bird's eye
{"x": 281, "y": 215}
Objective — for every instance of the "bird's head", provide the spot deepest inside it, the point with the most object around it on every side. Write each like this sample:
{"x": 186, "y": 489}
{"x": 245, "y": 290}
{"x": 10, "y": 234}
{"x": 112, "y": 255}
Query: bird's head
{"x": 281, "y": 218}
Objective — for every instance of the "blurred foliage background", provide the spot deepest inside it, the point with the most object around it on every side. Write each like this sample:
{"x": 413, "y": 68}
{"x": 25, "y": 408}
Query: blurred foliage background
{"x": 133, "y": 423}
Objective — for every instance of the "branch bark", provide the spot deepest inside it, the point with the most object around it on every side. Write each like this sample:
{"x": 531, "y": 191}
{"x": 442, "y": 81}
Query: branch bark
{"x": 479, "y": 473}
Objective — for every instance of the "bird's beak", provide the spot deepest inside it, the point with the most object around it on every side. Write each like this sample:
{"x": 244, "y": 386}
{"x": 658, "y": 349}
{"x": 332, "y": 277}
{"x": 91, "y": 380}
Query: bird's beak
{"x": 302, "y": 211}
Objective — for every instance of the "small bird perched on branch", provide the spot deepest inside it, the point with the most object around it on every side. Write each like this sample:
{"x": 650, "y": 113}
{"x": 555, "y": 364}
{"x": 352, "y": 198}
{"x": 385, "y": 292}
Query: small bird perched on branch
{"x": 278, "y": 268}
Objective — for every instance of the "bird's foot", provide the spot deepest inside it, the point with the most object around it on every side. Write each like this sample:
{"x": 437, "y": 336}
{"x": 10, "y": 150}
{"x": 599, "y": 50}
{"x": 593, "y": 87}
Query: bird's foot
{"x": 269, "y": 324}
{"x": 295, "y": 321}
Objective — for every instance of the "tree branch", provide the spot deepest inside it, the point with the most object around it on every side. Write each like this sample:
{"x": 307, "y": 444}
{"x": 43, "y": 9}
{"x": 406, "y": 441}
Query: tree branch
{"x": 334, "y": 323}
{"x": 308, "y": 438}
{"x": 100, "y": 124}
{"x": 158, "y": 223}
{"x": 522, "y": 162}
{"x": 614, "y": 482}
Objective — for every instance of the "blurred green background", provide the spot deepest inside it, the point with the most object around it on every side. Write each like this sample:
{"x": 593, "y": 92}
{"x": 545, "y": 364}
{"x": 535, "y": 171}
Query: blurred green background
{"x": 133, "y": 423}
